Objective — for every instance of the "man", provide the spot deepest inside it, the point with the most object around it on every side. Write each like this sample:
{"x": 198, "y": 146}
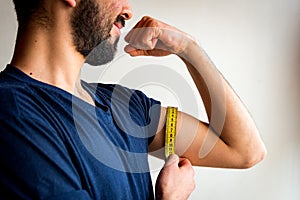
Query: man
{"x": 62, "y": 138}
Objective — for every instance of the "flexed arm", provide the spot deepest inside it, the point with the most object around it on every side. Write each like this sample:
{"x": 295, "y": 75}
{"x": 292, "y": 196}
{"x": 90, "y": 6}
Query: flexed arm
{"x": 230, "y": 139}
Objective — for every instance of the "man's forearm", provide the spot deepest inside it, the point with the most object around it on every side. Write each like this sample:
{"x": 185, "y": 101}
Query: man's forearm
{"x": 227, "y": 115}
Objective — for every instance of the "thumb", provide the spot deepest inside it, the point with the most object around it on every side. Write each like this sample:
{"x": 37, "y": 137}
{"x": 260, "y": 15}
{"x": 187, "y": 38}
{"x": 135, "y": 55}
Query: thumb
{"x": 132, "y": 51}
{"x": 172, "y": 160}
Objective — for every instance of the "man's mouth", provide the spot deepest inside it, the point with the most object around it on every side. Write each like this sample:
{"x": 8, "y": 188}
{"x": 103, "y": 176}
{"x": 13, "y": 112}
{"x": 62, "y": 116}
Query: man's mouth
{"x": 119, "y": 26}
{"x": 120, "y": 22}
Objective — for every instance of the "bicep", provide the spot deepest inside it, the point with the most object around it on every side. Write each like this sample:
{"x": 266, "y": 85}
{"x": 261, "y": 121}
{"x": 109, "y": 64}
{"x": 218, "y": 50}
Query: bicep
{"x": 196, "y": 141}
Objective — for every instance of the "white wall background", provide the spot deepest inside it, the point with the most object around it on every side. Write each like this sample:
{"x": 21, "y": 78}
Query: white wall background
{"x": 255, "y": 44}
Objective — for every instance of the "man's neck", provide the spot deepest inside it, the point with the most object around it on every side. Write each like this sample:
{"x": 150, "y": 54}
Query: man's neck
{"x": 51, "y": 58}
{"x": 48, "y": 57}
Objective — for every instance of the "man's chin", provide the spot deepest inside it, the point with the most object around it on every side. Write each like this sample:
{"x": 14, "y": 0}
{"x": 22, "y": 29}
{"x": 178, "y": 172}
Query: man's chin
{"x": 96, "y": 59}
{"x": 102, "y": 53}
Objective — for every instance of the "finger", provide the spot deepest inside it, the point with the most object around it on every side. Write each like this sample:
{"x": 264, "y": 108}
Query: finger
{"x": 130, "y": 35}
{"x": 132, "y": 31}
{"x": 173, "y": 160}
{"x": 144, "y": 35}
{"x": 129, "y": 49}
{"x": 144, "y": 22}
{"x": 135, "y": 30}
{"x": 186, "y": 166}
{"x": 138, "y": 52}
{"x": 184, "y": 163}
{"x": 144, "y": 38}
{"x": 132, "y": 51}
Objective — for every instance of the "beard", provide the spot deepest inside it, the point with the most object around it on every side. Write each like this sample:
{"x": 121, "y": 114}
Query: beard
{"x": 91, "y": 27}
{"x": 103, "y": 53}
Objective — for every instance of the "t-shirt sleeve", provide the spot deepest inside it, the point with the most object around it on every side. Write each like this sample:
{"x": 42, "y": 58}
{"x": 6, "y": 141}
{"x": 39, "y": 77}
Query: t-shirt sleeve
{"x": 151, "y": 110}
{"x": 133, "y": 110}
{"x": 35, "y": 163}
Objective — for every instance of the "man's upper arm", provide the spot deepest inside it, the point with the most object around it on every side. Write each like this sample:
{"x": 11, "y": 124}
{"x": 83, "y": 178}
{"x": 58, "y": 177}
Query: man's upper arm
{"x": 196, "y": 141}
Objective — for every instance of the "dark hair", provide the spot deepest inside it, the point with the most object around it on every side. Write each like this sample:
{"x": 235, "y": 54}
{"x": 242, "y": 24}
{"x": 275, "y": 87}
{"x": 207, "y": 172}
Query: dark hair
{"x": 27, "y": 10}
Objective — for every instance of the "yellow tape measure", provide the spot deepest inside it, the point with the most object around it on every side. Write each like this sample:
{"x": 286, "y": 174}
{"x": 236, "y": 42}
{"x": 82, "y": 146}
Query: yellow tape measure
{"x": 170, "y": 131}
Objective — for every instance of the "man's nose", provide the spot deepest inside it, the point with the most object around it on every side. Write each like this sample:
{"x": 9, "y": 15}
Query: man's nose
{"x": 127, "y": 12}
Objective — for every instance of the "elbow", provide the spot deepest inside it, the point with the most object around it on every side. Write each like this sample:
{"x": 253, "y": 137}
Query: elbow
{"x": 253, "y": 157}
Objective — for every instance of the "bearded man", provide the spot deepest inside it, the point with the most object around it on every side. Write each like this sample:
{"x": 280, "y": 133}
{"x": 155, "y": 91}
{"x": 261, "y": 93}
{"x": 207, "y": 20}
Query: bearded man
{"x": 63, "y": 138}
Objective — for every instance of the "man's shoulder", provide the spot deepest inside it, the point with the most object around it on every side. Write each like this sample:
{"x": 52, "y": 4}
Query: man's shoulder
{"x": 107, "y": 91}
{"x": 10, "y": 89}
{"x": 115, "y": 90}
{"x": 9, "y": 94}
{"x": 20, "y": 99}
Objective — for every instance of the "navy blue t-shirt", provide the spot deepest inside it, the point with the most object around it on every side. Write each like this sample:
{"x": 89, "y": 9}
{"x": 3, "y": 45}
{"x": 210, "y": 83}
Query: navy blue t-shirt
{"x": 53, "y": 145}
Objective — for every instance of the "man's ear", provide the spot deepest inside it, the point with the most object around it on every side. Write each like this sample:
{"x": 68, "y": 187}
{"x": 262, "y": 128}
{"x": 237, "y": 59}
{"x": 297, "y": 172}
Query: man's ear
{"x": 71, "y": 3}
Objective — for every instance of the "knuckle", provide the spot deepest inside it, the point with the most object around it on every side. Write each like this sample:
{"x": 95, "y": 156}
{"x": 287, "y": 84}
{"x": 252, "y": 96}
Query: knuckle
{"x": 127, "y": 38}
{"x": 145, "y": 41}
{"x": 146, "y": 18}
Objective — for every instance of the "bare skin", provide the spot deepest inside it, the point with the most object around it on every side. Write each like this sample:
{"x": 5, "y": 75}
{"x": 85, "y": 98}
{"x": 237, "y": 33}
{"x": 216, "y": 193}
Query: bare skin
{"x": 60, "y": 63}
{"x": 239, "y": 144}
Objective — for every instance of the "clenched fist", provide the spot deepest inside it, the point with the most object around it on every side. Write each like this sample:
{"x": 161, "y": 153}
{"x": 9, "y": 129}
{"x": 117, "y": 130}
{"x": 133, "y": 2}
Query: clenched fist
{"x": 151, "y": 37}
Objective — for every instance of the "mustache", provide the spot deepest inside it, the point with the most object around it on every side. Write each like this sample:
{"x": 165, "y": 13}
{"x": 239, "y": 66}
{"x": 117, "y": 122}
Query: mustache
{"x": 121, "y": 20}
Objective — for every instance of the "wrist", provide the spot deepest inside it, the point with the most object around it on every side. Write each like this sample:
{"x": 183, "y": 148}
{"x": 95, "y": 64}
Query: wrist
{"x": 163, "y": 197}
{"x": 190, "y": 44}
{"x": 162, "y": 192}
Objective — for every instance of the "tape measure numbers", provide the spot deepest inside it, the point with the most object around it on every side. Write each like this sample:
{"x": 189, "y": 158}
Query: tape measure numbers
{"x": 170, "y": 132}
